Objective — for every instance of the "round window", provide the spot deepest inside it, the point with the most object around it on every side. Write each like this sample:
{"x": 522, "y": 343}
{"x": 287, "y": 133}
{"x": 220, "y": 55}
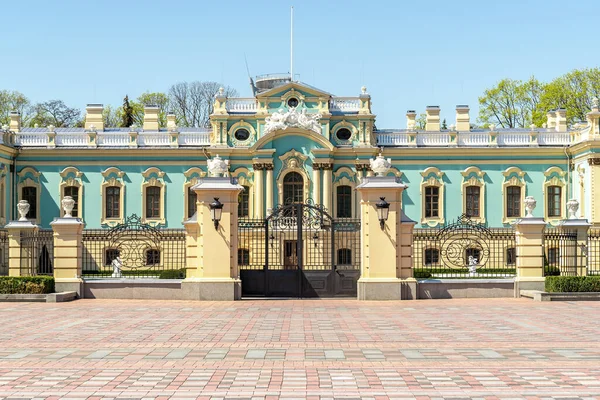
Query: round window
{"x": 242, "y": 134}
{"x": 292, "y": 102}
{"x": 343, "y": 134}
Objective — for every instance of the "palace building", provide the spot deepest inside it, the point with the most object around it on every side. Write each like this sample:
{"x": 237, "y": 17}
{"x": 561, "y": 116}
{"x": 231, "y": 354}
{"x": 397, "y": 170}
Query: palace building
{"x": 295, "y": 144}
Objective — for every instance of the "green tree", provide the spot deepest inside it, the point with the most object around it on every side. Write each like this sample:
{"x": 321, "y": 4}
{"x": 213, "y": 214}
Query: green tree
{"x": 57, "y": 113}
{"x": 511, "y": 103}
{"x": 13, "y": 101}
{"x": 158, "y": 99}
{"x": 126, "y": 113}
{"x": 421, "y": 121}
{"x": 444, "y": 125}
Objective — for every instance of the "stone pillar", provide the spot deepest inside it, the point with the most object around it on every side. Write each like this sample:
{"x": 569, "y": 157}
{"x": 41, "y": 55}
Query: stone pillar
{"x": 316, "y": 194}
{"x": 259, "y": 203}
{"x": 216, "y": 275}
{"x": 192, "y": 235}
{"x": 68, "y": 232}
{"x": 529, "y": 235}
{"x": 15, "y": 228}
{"x": 383, "y": 250}
{"x": 269, "y": 195}
{"x": 327, "y": 182}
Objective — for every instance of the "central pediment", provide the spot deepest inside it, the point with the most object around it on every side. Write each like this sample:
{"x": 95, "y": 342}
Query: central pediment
{"x": 296, "y": 86}
{"x": 282, "y": 120}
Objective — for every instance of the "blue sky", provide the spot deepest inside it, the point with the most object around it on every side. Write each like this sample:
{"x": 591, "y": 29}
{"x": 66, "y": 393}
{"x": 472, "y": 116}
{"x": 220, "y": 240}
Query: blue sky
{"x": 408, "y": 54}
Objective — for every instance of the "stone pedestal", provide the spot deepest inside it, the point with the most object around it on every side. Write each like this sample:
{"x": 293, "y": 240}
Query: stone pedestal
{"x": 382, "y": 249}
{"x": 212, "y": 256}
{"x": 529, "y": 234}
{"x": 14, "y": 229}
{"x": 576, "y": 256}
{"x": 67, "y": 254}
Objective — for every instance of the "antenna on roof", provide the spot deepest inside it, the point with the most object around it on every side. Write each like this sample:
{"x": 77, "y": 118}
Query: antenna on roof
{"x": 292, "y": 44}
{"x": 252, "y": 86}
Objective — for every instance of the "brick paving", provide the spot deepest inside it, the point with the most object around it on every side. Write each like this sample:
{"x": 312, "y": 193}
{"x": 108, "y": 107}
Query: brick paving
{"x": 297, "y": 349}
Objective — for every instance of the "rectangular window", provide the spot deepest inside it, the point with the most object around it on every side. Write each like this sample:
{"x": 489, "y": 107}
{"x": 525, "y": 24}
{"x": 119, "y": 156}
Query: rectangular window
{"x": 344, "y": 201}
{"x": 113, "y": 202}
{"x": 554, "y": 199}
{"x": 432, "y": 256}
{"x": 73, "y": 191}
{"x": 344, "y": 257}
{"x": 243, "y": 257}
{"x": 29, "y": 193}
{"x": 432, "y": 202}
{"x": 553, "y": 255}
{"x": 511, "y": 256}
{"x": 472, "y": 201}
{"x": 191, "y": 203}
{"x": 244, "y": 202}
{"x": 152, "y": 202}
{"x": 513, "y": 202}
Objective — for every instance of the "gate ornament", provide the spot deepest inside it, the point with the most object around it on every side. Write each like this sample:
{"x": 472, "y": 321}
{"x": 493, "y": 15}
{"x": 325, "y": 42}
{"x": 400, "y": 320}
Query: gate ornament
{"x": 465, "y": 244}
{"x": 68, "y": 204}
{"x": 530, "y": 204}
{"x": 23, "y": 208}
{"x": 280, "y": 120}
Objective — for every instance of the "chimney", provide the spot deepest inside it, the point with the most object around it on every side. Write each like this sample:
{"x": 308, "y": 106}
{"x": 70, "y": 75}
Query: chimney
{"x": 93, "y": 116}
{"x": 15, "y": 121}
{"x": 411, "y": 120}
{"x": 551, "y": 122}
{"x": 561, "y": 120}
{"x": 433, "y": 119}
{"x": 171, "y": 123}
{"x": 151, "y": 117}
{"x": 463, "y": 124}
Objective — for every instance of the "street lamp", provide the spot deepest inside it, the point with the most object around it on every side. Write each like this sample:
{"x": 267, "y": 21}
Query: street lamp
{"x": 383, "y": 209}
{"x": 216, "y": 208}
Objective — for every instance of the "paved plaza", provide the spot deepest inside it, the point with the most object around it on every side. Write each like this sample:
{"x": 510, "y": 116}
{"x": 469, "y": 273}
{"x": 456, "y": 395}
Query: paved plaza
{"x": 288, "y": 349}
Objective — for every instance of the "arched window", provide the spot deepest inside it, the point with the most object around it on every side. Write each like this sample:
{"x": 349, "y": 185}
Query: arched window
{"x": 244, "y": 202}
{"x": 432, "y": 256}
{"x": 513, "y": 201}
{"x": 72, "y": 191}
{"x": 113, "y": 202}
{"x": 153, "y": 202}
{"x": 344, "y": 201}
{"x": 344, "y": 256}
{"x": 152, "y": 257}
{"x": 293, "y": 188}
{"x": 243, "y": 257}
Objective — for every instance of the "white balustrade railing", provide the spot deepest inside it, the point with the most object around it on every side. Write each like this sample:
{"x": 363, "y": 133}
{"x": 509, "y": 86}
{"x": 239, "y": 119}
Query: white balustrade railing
{"x": 72, "y": 139}
{"x": 241, "y": 105}
{"x": 112, "y": 139}
{"x": 344, "y": 104}
{"x": 154, "y": 139}
{"x": 514, "y": 139}
{"x": 194, "y": 139}
{"x": 393, "y": 139}
{"x": 473, "y": 139}
{"x": 27, "y": 139}
{"x": 554, "y": 138}
{"x": 433, "y": 139}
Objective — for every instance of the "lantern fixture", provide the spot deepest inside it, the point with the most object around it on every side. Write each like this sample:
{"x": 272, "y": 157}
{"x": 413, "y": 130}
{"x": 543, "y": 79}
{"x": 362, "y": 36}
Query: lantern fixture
{"x": 216, "y": 208}
{"x": 383, "y": 209}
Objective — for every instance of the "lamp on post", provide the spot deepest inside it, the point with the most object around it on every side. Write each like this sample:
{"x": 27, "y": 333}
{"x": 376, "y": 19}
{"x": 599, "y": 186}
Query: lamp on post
{"x": 383, "y": 209}
{"x": 216, "y": 208}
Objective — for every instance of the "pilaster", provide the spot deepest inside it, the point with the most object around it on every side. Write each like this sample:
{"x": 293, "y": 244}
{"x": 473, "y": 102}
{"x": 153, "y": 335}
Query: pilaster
{"x": 529, "y": 235}
{"x": 269, "y": 179}
{"x": 259, "y": 190}
{"x": 327, "y": 182}
{"x": 67, "y": 254}
{"x": 316, "y": 173}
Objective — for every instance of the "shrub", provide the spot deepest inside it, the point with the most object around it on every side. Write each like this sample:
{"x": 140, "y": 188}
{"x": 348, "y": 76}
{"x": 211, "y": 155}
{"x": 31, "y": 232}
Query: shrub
{"x": 550, "y": 270}
{"x": 172, "y": 274}
{"x": 420, "y": 274}
{"x": 26, "y": 284}
{"x": 556, "y": 284}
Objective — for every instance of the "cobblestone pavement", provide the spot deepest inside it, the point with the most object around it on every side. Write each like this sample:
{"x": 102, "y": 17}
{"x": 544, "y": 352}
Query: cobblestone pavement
{"x": 292, "y": 349}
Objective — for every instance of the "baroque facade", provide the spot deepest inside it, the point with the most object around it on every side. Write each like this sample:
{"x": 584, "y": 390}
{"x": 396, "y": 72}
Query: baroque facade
{"x": 294, "y": 143}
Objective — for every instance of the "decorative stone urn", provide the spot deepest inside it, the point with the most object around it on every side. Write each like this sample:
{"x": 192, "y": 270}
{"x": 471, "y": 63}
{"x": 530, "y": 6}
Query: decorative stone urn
{"x": 530, "y": 204}
{"x": 573, "y": 207}
{"x": 380, "y": 165}
{"x": 217, "y": 166}
{"x": 23, "y": 208}
{"x": 67, "y": 204}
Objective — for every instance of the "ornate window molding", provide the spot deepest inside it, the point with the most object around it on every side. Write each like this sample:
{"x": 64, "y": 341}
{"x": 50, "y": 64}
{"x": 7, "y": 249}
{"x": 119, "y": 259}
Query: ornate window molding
{"x": 432, "y": 176}
{"x": 344, "y": 176}
{"x": 292, "y": 161}
{"x": 554, "y": 176}
{"x": 340, "y": 125}
{"x": 71, "y": 176}
{"x": 245, "y": 178}
{"x": 154, "y": 177}
{"x": 241, "y": 124}
{"x": 30, "y": 177}
{"x": 192, "y": 176}
{"x": 292, "y": 93}
{"x": 3, "y": 194}
{"x": 513, "y": 176}
{"x": 473, "y": 176}
{"x": 113, "y": 176}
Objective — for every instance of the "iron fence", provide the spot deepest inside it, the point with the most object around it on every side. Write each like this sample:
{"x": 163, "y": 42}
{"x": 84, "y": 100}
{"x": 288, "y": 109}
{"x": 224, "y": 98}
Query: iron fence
{"x": 593, "y": 252}
{"x": 464, "y": 249}
{"x": 37, "y": 252}
{"x": 134, "y": 250}
{"x": 562, "y": 256}
{"x": 3, "y": 252}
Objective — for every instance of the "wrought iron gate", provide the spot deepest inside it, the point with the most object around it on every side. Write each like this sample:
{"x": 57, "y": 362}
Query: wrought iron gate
{"x": 299, "y": 251}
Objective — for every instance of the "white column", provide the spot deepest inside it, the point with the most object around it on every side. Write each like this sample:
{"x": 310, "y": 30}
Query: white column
{"x": 269, "y": 195}
{"x": 258, "y": 191}
{"x": 316, "y": 195}
{"x": 327, "y": 195}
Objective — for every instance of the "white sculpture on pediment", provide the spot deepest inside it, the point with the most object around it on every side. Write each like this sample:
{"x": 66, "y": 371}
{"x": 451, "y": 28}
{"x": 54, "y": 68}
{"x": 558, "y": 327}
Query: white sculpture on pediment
{"x": 280, "y": 120}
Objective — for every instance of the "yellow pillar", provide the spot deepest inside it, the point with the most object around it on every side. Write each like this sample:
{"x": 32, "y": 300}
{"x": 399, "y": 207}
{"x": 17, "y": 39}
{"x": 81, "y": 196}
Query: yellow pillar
{"x": 327, "y": 181}
{"x": 316, "y": 194}
{"x": 68, "y": 232}
{"x": 192, "y": 230}
{"x": 258, "y": 191}
{"x": 386, "y": 256}
{"x": 529, "y": 236}
{"x": 15, "y": 228}
{"x": 269, "y": 195}
{"x": 214, "y": 256}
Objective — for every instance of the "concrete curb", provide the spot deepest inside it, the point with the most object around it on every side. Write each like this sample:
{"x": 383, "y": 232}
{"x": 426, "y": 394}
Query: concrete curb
{"x": 40, "y": 298}
{"x": 538, "y": 295}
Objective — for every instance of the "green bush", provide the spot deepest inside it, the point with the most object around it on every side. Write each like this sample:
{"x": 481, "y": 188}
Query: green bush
{"x": 551, "y": 271}
{"x": 559, "y": 284}
{"x": 420, "y": 274}
{"x": 26, "y": 284}
{"x": 172, "y": 274}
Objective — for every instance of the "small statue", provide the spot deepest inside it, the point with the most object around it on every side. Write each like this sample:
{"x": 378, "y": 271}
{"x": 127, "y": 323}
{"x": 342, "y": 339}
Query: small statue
{"x": 472, "y": 265}
{"x": 116, "y": 264}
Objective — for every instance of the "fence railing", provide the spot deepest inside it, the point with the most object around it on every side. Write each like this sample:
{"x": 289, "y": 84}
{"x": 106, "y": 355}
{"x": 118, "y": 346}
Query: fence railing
{"x": 562, "y": 256}
{"x": 593, "y": 252}
{"x": 3, "y": 252}
{"x": 37, "y": 252}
